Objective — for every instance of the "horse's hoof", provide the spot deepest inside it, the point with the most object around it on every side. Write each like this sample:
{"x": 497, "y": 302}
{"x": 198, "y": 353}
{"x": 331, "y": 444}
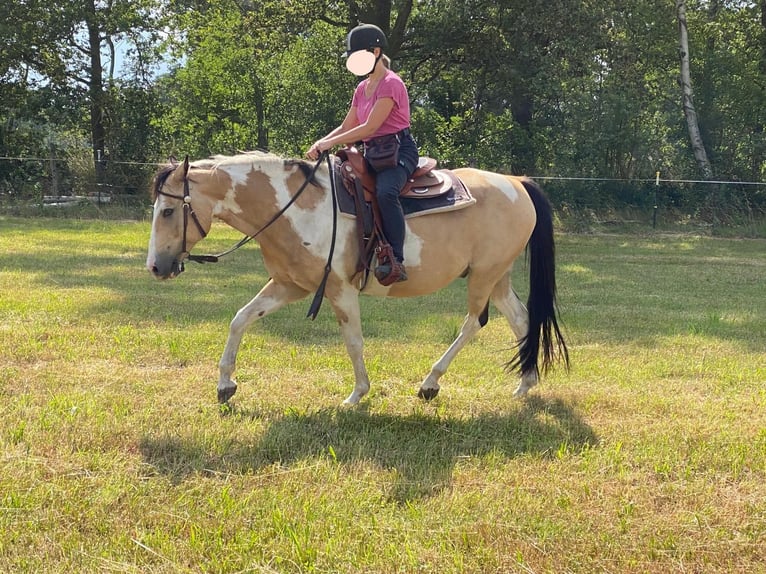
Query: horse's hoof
{"x": 520, "y": 392}
{"x": 226, "y": 393}
{"x": 351, "y": 401}
{"x": 428, "y": 394}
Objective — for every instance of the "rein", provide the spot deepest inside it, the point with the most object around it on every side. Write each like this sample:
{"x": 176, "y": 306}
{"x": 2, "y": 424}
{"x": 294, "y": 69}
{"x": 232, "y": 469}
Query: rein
{"x": 319, "y": 295}
{"x": 189, "y": 211}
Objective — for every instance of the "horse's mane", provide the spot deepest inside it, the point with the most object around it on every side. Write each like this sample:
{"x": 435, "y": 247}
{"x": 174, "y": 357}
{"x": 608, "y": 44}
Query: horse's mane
{"x": 160, "y": 178}
{"x": 216, "y": 161}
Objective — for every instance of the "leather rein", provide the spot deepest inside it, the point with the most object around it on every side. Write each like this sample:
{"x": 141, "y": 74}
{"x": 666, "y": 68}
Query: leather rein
{"x": 189, "y": 213}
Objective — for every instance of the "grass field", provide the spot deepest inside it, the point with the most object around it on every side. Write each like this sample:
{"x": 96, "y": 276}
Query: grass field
{"x": 649, "y": 456}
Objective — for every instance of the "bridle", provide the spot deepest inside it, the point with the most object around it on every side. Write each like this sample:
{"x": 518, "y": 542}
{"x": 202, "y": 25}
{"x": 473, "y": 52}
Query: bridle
{"x": 188, "y": 213}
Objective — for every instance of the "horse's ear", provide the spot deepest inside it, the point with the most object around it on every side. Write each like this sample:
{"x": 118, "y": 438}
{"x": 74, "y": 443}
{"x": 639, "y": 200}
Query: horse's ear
{"x": 181, "y": 170}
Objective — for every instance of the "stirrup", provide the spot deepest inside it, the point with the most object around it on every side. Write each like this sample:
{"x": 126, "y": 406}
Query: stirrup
{"x": 389, "y": 274}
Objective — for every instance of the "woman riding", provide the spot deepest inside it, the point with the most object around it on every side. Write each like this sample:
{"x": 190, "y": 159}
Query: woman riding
{"x": 380, "y": 107}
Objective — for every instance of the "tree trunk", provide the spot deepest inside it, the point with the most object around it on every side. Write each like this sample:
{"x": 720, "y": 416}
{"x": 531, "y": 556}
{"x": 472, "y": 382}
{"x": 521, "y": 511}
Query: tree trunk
{"x": 260, "y": 114}
{"x": 55, "y": 191}
{"x": 379, "y": 12}
{"x": 762, "y": 63}
{"x": 695, "y": 138}
{"x": 96, "y": 92}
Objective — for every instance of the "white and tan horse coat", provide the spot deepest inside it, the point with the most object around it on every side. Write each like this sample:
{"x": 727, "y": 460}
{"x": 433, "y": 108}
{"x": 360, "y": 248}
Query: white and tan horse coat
{"x": 480, "y": 243}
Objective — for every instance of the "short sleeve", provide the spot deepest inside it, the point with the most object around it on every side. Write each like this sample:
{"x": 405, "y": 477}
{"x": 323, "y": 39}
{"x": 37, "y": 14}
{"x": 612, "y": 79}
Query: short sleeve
{"x": 391, "y": 87}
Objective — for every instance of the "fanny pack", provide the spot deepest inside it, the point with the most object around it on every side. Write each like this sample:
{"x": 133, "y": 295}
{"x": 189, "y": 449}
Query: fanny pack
{"x": 382, "y": 152}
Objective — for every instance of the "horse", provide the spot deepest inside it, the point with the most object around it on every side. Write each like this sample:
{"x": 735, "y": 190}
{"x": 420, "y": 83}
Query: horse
{"x": 290, "y": 205}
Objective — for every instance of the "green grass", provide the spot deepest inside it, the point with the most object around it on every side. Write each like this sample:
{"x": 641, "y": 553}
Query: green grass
{"x": 649, "y": 456}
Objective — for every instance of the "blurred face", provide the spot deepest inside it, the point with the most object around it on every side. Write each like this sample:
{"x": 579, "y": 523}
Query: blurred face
{"x": 361, "y": 62}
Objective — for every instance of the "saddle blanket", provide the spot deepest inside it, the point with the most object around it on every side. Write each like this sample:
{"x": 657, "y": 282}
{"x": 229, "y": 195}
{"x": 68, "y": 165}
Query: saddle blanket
{"x": 458, "y": 197}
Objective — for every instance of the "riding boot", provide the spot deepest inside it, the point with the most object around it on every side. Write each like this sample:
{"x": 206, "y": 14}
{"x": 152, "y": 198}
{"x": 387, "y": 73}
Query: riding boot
{"x": 388, "y": 274}
{"x": 390, "y": 269}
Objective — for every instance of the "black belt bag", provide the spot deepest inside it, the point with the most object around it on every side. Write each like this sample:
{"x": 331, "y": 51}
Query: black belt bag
{"x": 383, "y": 152}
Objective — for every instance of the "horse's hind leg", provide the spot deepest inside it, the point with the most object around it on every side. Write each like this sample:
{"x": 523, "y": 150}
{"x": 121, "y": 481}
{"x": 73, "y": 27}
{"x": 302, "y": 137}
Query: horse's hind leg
{"x": 429, "y": 388}
{"x": 478, "y": 297}
{"x": 272, "y": 297}
{"x": 509, "y": 304}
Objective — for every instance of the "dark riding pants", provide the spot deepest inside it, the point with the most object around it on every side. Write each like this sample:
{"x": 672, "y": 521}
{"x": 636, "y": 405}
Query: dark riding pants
{"x": 389, "y": 184}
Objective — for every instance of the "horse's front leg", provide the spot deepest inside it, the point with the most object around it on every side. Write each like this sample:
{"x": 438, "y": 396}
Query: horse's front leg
{"x": 272, "y": 297}
{"x": 346, "y": 306}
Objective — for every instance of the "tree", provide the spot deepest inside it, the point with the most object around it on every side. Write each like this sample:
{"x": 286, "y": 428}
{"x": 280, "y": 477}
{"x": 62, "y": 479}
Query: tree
{"x": 215, "y": 102}
{"x": 586, "y": 89}
{"x": 496, "y": 73}
{"x": 698, "y": 146}
{"x": 73, "y": 43}
{"x": 390, "y": 16}
{"x": 268, "y": 75}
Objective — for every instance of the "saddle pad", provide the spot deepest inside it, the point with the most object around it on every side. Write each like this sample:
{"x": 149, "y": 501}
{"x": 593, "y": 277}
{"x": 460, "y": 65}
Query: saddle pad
{"x": 458, "y": 197}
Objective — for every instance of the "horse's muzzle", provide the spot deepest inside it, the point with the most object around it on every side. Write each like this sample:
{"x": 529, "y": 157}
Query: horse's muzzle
{"x": 166, "y": 271}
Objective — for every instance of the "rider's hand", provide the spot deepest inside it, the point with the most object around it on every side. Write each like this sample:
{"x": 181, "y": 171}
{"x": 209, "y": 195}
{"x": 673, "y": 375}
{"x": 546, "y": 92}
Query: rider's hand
{"x": 314, "y": 151}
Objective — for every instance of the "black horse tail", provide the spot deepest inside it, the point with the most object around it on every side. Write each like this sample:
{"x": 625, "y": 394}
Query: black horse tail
{"x": 541, "y": 304}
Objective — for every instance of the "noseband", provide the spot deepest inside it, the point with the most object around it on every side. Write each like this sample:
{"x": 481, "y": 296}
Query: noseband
{"x": 188, "y": 212}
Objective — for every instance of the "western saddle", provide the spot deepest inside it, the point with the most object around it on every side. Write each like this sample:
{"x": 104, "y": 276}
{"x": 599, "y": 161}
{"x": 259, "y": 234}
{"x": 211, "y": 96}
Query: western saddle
{"x": 359, "y": 181}
{"x": 425, "y": 181}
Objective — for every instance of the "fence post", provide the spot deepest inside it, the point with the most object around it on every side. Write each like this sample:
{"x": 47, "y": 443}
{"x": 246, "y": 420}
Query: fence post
{"x": 54, "y": 169}
{"x": 656, "y": 188}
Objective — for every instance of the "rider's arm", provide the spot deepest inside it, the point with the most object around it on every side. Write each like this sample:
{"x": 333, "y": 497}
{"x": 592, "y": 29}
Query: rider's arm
{"x": 349, "y": 122}
{"x": 380, "y": 111}
{"x": 351, "y": 131}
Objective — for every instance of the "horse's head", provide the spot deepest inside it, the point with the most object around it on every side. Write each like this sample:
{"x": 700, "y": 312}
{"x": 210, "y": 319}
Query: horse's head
{"x": 181, "y": 218}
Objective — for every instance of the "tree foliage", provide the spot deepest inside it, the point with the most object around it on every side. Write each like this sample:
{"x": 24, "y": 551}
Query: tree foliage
{"x": 588, "y": 89}
{"x": 69, "y": 49}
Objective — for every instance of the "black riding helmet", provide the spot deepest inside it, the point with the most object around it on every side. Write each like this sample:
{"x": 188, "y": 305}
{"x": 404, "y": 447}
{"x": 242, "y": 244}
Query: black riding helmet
{"x": 365, "y": 37}
{"x": 360, "y": 43}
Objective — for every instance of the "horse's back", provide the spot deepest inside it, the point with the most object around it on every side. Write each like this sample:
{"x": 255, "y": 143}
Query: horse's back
{"x": 502, "y": 202}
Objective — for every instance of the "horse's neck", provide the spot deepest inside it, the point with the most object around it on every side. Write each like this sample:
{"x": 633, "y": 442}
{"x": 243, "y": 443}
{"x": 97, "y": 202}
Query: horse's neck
{"x": 265, "y": 194}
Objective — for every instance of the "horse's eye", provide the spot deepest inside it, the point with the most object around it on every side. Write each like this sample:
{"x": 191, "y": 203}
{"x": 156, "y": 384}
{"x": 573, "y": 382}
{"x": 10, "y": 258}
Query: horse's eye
{"x": 167, "y": 212}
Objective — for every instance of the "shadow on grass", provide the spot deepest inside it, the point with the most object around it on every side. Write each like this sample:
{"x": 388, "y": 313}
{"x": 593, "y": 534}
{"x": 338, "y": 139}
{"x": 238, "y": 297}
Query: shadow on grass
{"x": 204, "y": 293}
{"x": 422, "y": 449}
{"x": 614, "y": 288}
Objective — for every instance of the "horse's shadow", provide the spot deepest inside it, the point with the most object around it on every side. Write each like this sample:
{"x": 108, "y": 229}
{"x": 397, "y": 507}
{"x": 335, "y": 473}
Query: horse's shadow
{"x": 422, "y": 449}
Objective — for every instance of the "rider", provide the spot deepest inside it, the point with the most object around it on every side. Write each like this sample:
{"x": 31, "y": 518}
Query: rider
{"x": 380, "y": 107}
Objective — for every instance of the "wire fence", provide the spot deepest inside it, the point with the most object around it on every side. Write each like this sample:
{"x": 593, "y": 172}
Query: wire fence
{"x": 44, "y": 185}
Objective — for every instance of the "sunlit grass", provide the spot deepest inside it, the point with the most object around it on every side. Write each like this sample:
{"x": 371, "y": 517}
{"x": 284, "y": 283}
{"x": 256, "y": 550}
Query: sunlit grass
{"x": 649, "y": 456}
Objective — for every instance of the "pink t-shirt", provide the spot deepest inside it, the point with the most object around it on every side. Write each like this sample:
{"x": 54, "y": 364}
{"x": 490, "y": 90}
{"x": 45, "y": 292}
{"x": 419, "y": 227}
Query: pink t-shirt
{"x": 390, "y": 86}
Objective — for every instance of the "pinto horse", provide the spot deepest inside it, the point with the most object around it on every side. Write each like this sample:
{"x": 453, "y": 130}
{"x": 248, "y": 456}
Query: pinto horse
{"x": 290, "y": 205}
